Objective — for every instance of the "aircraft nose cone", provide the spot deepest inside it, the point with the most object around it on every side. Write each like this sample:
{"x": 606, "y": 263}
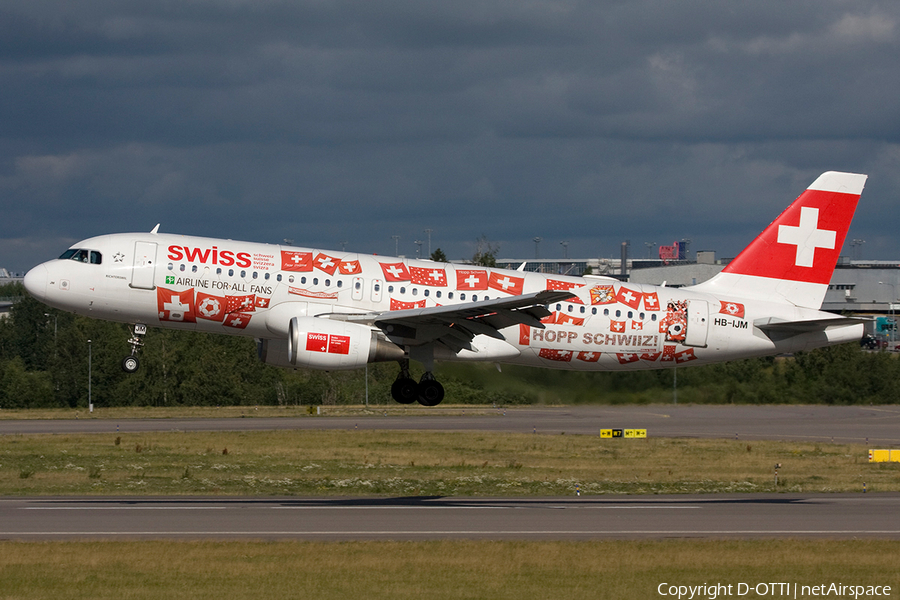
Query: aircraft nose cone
{"x": 36, "y": 282}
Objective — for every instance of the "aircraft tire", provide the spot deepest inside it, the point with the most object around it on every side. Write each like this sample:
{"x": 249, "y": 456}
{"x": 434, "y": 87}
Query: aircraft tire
{"x": 130, "y": 364}
{"x": 431, "y": 393}
{"x": 405, "y": 390}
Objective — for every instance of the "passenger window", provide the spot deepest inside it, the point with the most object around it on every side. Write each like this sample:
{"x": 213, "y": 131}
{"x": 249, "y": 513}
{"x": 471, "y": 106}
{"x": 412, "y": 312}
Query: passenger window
{"x": 219, "y": 271}
{"x": 291, "y": 279}
{"x": 315, "y": 281}
{"x": 570, "y": 308}
{"x": 582, "y": 310}
{"x": 425, "y": 293}
{"x": 474, "y": 298}
{"x": 194, "y": 269}
{"x": 243, "y": 274}
{"x": 450, "y": 295}
{"x": 302, "y": 279}
{"x": 171, "y": 267}
{"x": 278, "y": 277}
{"x": 403, "y": 290}
{"x": 255, "y": 274}
{"x": 462, "y": 296}
{"x": 181, "y": 268}
{"x": 438, "y": 293}
{"x": 231, "y": 272}
{"x": 266, "y": 276}
{"x": 340, "y": 283}
{"x": 415, "y": 291}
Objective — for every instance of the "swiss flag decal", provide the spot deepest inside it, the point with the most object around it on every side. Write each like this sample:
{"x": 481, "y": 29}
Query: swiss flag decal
{"x": 350, "y": 267}
{"x": 237, "y": 320}
{"x": 735, "y": 309}
{"x": 506, "y": 283}
{"x": 400, "y": 305}
{"x": 175, "y": 306}
{"x": 326, "y": 263}
{"x": 556, "y": 284}
{"x": 651, "y": 301}
{"x": 395, "y": 271}
{"x": 588, "y": 356}
{"x": 628, "y": 297}
{"x": 240, "y": 303}
{"x": 557, "y": 355}
{"x": 296, "y": 261}
{"x": 524, "y": 334}
{"x": 428, "y": 276}
{"x": 627, "y": 357}
{"x": 471, "y": 279}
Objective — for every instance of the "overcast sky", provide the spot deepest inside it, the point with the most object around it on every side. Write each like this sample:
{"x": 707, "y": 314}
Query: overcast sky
{"x": 327, "y": 122}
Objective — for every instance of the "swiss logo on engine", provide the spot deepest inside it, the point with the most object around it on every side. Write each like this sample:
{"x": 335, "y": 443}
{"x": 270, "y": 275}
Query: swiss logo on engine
{"x": 332, "y": 344}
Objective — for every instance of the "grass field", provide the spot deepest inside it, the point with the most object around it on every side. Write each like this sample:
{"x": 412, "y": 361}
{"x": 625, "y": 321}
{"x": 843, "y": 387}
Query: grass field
{"x": 435, "y": 570}
{"x": 410, "y": 463}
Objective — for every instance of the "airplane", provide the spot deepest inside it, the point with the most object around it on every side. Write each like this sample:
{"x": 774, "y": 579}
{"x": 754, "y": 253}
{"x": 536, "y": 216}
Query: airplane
{"x": 329, "y": 310}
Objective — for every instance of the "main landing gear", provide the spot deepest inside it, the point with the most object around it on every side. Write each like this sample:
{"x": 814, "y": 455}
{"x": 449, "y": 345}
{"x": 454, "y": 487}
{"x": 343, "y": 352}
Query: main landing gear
{"x": 405, "y": 390}
{"x": 130, "y": 363}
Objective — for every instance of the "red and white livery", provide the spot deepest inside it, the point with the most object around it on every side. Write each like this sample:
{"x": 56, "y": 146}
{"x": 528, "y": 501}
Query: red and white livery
{"x": 331, "y": 310}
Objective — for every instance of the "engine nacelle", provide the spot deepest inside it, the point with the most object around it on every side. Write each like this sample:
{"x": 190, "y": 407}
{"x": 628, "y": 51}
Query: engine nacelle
{"x": 327, "y": 345}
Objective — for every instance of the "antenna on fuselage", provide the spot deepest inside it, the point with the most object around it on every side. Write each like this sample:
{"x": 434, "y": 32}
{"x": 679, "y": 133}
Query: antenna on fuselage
{"x": 155, "y": 230}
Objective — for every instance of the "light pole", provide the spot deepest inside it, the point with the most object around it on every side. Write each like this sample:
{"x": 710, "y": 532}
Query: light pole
{"x": 396, "y": 245}
{"x": 90, "y": 401}
{"x": 428, "y": 231}
{"x": 537, "y": 246}
{"x": 891, "y": 312}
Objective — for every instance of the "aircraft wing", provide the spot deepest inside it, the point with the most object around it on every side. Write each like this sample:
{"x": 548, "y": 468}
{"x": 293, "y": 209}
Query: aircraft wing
{"x": 456, "y": 325}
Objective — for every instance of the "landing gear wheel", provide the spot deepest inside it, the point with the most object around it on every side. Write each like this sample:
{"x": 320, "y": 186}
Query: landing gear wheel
{"x": 431, "y": 392}
{"x": 405, "y": 390}
{"x": 130, "y": 364}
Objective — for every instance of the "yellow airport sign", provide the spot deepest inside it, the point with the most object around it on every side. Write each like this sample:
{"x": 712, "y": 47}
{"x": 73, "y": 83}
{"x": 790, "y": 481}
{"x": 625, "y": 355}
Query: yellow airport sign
{"x": 626, "y": 433}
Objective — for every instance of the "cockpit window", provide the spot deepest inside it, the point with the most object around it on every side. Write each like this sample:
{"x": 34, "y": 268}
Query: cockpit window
{"x": 84, "y": 256}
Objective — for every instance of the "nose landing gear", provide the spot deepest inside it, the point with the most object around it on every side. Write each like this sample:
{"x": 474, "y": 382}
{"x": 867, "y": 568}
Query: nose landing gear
{"x": 130, "y": 363}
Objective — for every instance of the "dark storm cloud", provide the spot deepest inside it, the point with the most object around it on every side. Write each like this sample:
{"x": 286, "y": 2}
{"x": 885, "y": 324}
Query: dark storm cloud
{"x": 329, "y": 122}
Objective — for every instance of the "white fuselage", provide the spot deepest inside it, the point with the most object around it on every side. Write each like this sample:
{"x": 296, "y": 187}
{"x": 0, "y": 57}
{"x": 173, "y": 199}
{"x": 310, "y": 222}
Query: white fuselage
{"x": 252, "y": 289}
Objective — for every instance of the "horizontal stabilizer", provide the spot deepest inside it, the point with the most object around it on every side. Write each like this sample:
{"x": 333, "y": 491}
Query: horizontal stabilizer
{"x": 789, "y": 328}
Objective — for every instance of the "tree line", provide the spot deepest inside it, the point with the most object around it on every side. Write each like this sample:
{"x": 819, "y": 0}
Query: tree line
{"x": 44, "y": 356}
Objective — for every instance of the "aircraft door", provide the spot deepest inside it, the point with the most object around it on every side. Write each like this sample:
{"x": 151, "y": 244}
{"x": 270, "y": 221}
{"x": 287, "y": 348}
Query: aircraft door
{"x": 357, "y": 293}
{"x": 698, "y": 323}
{"x": 144, "y": 267}
{"x": 377, "y": 284}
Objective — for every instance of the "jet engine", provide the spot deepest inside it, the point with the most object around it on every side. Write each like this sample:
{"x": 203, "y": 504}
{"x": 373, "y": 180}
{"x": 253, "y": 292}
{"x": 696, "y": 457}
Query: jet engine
{"x": 327, "y": 345}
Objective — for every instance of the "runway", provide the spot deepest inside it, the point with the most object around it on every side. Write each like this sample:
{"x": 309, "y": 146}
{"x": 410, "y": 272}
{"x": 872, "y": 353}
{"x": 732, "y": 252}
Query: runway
{"x": 838, "y": 516}
{"x": 841, "y": 424}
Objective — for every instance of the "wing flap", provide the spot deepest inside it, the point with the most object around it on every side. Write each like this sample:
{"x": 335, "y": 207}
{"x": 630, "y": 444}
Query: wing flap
{"x": 457, "y": 324}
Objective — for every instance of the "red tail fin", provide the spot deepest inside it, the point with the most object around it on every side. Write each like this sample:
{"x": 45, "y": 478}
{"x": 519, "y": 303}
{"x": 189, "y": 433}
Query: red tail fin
{"x": 793, "y": 259}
